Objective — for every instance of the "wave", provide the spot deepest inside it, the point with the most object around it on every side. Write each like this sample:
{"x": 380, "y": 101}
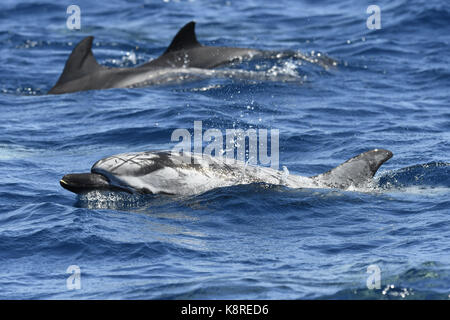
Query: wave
{"x": 429, "y": 175}
{"x": 426, "y": 281}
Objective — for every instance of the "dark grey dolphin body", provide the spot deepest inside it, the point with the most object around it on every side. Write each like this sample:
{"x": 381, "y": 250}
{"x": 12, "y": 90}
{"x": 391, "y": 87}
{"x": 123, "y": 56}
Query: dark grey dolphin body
{"x": 169, "y": 173}
{"x": 82, "y": 72}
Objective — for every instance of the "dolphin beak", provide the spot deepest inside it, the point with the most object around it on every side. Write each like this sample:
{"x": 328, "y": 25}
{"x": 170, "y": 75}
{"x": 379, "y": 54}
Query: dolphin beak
{"x": 84, "y": 182}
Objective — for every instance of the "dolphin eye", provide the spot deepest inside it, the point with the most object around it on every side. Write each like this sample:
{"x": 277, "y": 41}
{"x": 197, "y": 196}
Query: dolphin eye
{"x": 145, "y": 191}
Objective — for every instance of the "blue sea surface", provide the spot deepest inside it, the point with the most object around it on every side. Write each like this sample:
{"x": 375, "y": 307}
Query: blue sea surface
{"x": 389, "y": 90}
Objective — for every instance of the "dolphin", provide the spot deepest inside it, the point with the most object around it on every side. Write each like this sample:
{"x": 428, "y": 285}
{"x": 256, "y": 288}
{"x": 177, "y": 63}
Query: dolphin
{"x": 167, "y": 172}
{"x": 83, "y": 72}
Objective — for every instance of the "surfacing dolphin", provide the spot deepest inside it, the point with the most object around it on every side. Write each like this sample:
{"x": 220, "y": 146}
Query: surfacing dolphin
{"x": 167, "y": 172}
{"x": 82, "y": 71}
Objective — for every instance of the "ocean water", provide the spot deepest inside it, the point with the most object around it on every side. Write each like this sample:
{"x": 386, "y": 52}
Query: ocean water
{"x": 390, "y": 89}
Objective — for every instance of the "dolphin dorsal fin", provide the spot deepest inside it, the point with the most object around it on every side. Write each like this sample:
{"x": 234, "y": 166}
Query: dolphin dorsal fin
{"x": 356, "y": 171}
{"x": 81, "y": 62}
{"x": 184, "y": 39}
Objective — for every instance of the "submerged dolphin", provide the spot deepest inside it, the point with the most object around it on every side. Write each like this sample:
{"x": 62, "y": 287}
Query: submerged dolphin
{"x": 172, "y": 173}
{"x": 82, "y": 72}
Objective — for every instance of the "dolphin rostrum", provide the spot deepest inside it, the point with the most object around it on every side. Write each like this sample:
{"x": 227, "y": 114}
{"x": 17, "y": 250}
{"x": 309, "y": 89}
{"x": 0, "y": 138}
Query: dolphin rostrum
{"x": 173, "y": 173}
{"x": 82, "y": 71}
